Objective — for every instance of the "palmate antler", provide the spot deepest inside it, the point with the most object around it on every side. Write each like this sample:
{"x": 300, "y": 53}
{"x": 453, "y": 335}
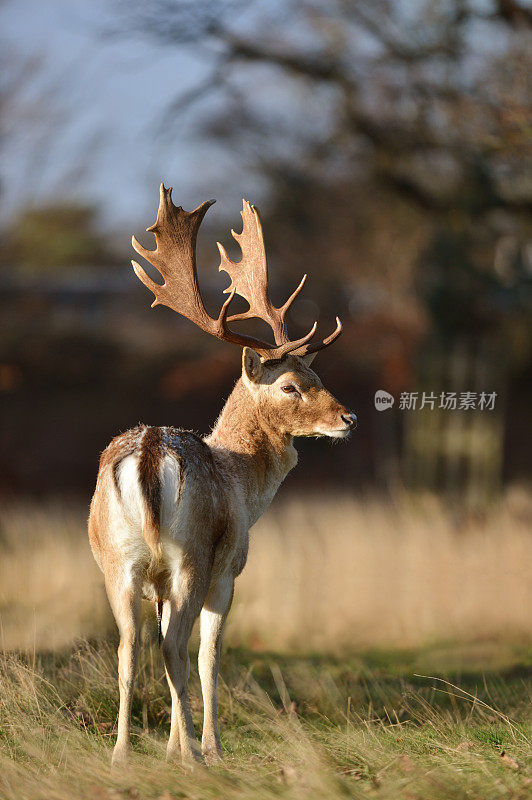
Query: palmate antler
{"x": 175, "y": 258}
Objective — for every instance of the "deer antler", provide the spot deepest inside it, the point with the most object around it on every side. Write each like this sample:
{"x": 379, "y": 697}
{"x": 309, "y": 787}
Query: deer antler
{"x": 249, "y": 277}
{"x": 175, "y": 233}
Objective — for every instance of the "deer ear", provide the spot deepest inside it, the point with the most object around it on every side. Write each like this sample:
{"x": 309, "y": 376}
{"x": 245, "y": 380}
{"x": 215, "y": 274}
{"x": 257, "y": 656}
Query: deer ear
{"x": 251, "y": 365}
{"x": 308, "y": 359}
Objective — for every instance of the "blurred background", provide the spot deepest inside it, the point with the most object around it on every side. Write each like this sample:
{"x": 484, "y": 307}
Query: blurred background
{"x": 388, "y": 148}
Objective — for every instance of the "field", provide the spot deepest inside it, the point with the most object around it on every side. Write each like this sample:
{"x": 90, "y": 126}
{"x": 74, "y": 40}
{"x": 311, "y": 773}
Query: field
{"x": 373, "y": 651}
{"x": 291, "y": 727}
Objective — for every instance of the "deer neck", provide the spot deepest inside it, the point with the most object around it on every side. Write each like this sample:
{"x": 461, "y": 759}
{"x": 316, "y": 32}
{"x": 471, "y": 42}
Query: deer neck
{"x": 254, "y": 453}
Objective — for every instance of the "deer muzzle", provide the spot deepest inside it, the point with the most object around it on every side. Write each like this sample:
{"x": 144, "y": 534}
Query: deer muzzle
{"x": 350, "y": 420}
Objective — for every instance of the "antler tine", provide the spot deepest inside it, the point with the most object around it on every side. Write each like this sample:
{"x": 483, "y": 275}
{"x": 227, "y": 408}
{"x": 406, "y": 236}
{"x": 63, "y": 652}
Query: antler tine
{"x": 291, "y": 347}
{"x": 313, "y": 348}
{"x": 282, "y": 310}
{"x": 142, "y": 275}
{"x": 227, "y": 335}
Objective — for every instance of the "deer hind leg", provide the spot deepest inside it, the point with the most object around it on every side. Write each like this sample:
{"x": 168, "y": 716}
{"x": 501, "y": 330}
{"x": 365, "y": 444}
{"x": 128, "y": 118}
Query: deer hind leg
{"x": 124, "y": 597}
{"x": 179, "y": 614}
{"x": 212, "y": 622}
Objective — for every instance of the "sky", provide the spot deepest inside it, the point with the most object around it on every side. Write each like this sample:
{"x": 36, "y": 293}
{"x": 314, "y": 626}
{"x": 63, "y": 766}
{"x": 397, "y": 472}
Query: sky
{"x": 88, "y": 124}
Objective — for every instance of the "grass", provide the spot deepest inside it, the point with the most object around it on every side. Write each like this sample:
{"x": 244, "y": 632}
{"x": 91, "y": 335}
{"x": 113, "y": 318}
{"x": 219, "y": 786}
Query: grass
{"x": 325, "y": 574}
{"x": 292, "y": 726}
{"x": 374, "y": 650}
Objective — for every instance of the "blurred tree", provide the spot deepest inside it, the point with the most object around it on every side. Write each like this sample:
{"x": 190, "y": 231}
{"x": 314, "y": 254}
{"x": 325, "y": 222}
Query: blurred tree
{"x": 423, "y": 105}
{"x": 36, "y": 118}
{"x": 25, "y": 115}
{"x": 431, "y": 96}
{"x": 53, "y": 238}
{"x": 374, "y": 121}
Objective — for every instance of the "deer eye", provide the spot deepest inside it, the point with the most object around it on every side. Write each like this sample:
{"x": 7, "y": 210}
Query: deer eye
{"x": 289, "y": 388}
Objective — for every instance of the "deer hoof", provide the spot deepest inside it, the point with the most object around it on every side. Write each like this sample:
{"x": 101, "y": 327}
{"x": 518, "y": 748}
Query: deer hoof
{"x": 120, "y": 757}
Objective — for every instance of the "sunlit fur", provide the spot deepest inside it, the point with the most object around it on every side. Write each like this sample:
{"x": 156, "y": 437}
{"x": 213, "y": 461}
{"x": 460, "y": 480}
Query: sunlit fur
{"x": 170, "y": 521}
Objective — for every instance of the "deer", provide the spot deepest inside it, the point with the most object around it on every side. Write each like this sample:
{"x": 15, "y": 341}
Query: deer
{"x": 171, "y": 512}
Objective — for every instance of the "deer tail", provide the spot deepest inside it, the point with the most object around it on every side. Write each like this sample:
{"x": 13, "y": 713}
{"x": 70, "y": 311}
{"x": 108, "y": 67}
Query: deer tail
{"x": 150, "y": 482}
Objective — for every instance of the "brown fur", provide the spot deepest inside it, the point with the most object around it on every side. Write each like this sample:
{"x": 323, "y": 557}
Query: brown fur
{"x": 118, "y": 448}
{"x": 148, "y": 471}
{"x": 208, "y": 496}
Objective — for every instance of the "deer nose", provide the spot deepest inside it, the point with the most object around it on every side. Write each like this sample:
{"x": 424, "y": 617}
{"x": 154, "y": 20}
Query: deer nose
{"x": 350, "y": 419}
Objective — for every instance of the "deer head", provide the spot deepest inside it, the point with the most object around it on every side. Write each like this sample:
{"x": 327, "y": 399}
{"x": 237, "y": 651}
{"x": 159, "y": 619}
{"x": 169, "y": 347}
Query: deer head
{"x": 292, "y": 399}
{"x": 277, "y": 376}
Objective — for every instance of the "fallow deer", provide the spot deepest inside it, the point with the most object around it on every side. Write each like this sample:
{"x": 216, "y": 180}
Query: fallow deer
{"x": 171, "y": 511}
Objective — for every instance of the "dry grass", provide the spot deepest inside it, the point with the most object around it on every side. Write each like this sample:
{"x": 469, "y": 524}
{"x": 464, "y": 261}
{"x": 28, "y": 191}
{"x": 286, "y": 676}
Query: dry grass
{"x": 336, "y": 573}
{"x": 51, "y": 590}
{"x": 322, "y": 575}
{"x": 291, "y": 728}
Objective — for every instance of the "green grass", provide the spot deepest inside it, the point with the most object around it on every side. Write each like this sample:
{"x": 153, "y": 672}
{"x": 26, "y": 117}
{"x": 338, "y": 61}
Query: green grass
{"x": 365, "y": 726}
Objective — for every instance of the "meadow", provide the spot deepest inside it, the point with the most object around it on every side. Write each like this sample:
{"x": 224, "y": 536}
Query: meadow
{"x": 324, "y": 575}
{"x": 374, "y": 650}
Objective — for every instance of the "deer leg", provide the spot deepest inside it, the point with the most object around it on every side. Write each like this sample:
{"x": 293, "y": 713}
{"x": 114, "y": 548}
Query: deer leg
{"x": 124, "y": 598}
{"x": 212, "y": 622}
{"x": 178, "y": 618}
{"x": 169, "y": 632}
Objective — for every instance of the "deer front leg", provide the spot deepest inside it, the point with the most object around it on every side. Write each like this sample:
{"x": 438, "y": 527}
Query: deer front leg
{"x": 125, "y": 603}
{"x": 212, "y": 622}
